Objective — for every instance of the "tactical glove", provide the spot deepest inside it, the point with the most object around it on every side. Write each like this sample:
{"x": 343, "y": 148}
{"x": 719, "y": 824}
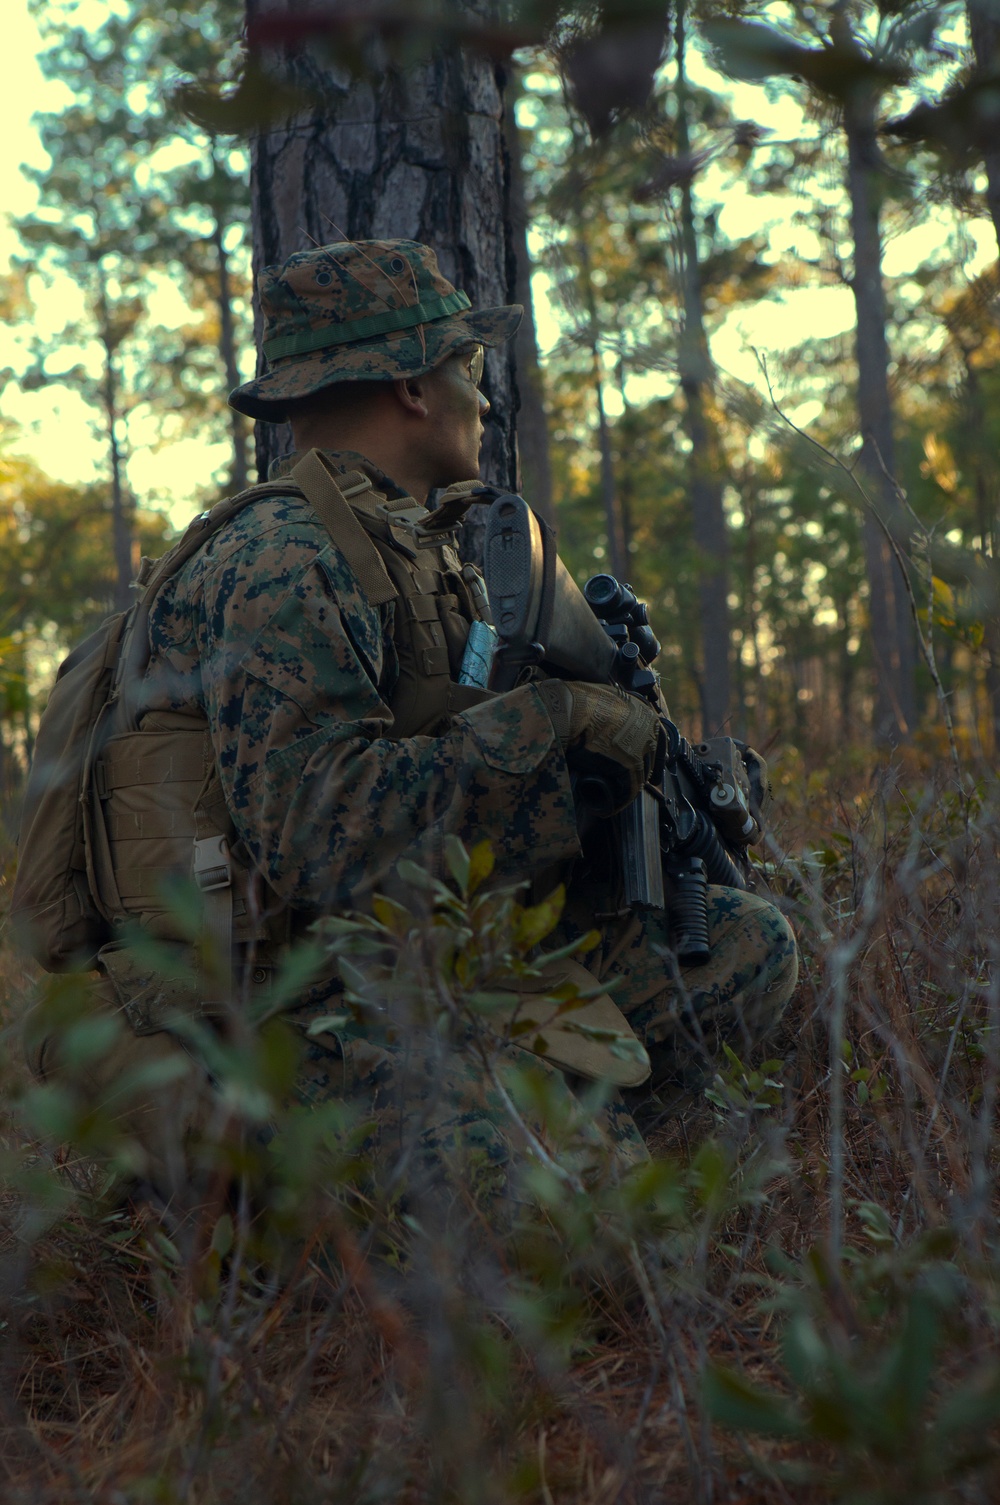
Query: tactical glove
{"x": 610, "y": 738}
{"x": 759, "y": 785}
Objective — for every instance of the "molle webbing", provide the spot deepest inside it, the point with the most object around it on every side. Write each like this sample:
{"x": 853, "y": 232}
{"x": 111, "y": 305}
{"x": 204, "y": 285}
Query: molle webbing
{"x": 315, "y": 479}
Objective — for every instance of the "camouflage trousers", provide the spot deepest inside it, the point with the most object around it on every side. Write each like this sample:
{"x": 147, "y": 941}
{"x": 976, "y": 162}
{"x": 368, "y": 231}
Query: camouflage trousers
{"x": 683, "y": 1014}
{"x": 442, "y": 1108}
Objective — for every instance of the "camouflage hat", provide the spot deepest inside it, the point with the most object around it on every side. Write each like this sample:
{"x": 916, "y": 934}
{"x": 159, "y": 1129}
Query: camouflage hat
{"x": 362, "y": 310}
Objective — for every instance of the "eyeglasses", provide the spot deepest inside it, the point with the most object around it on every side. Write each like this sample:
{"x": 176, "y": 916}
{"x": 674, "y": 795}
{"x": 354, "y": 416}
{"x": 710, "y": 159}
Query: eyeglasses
{"x": 476, "y": 364}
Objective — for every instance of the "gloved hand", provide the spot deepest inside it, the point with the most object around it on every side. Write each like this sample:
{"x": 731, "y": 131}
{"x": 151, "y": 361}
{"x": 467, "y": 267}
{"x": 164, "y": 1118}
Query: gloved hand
{"x": 760, "y": 784}
{"x": 609, "y": 737}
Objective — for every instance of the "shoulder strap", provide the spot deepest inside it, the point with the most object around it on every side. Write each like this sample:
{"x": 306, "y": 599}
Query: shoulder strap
{"x": 319, "y": 486}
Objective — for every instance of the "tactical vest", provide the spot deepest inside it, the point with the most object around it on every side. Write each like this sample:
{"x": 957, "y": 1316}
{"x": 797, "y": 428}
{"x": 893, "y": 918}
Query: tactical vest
{"x": 156, "y": 806}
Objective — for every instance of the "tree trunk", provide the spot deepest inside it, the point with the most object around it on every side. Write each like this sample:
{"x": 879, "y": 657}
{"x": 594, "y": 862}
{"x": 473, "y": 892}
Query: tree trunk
{"x": 121, "y": 520}
{"x": 750, "y": 605}
{"x": 893, "y": 637}
{"x": 984, "y": 33}
{"x": 532, "y": 425}
{"x": 706, "y": 486}
{"x": 978, "y": 460}
{"x": 626, "y": 488}
{"x": 617, "y": 553}
{"x": 415, "y": 154}
{"x": 227, "y": 350}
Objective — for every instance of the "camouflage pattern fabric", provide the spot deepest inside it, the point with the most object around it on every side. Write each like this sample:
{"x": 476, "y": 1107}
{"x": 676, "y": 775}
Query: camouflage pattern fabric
{"x": 267, "y": 633}
{"x": 432, "y": 1106}
{"x": 683, "y": 1015}
{"x": 366, "y": 310}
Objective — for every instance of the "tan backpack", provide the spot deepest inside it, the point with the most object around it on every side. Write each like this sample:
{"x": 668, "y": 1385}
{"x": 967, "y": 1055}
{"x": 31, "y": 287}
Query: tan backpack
{"x": 54, "y": 911}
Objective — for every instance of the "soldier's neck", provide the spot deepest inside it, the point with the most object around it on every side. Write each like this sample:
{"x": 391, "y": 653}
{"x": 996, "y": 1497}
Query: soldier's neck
{"x": 390, "y": 451}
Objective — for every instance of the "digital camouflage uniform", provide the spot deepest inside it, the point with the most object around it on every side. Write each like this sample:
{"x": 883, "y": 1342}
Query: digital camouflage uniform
{"x": 268, "y": 634}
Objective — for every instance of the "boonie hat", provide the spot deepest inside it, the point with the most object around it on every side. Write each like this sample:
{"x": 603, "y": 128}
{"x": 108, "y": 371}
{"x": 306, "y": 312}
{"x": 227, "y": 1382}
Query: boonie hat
{"x": 361, "y": 310}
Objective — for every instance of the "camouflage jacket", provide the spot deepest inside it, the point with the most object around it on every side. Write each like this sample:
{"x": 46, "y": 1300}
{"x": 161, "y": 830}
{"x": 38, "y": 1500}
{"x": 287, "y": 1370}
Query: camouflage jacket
{"x": 267, "y": 633}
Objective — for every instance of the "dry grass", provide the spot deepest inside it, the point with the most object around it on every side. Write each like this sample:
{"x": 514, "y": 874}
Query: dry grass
{"x": 124, "y": 1379}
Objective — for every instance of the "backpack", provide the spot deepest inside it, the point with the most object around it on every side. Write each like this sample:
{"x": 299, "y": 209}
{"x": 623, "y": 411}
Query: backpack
{"x": 54, "y": 911}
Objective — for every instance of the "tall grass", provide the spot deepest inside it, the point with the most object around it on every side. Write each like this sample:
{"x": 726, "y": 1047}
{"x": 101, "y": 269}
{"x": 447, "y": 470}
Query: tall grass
{"x": 796, "y": 1300}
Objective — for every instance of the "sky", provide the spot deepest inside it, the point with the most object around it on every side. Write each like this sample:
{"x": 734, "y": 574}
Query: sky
{"x": 55, "y": 425}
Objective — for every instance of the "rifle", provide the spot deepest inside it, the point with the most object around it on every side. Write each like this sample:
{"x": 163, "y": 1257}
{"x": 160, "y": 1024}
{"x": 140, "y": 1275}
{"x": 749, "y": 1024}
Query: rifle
{"x": 692, "y": 822}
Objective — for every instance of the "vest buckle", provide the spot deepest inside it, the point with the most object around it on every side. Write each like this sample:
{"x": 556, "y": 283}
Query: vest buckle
{"x": 212, "y": 868}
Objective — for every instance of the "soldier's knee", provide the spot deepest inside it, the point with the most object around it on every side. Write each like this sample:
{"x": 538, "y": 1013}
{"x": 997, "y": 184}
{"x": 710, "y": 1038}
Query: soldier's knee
{"x": 754, "y": 955}
{"x": 779, "y": 973}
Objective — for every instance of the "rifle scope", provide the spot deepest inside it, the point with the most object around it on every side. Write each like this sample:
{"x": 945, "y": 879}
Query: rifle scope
{"x": 618, "y": 606}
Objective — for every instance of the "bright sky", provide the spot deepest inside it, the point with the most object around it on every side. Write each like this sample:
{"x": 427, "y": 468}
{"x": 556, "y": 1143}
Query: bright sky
{"x": 57, "y": 426}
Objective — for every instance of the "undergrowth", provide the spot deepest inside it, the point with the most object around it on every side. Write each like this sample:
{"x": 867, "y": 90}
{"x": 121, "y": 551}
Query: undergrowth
{"x": 796, "y": 1299}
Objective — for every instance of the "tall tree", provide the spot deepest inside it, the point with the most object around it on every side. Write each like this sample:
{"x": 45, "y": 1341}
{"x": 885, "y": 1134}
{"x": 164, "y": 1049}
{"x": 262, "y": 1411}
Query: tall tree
{"x": 965, "y": 121}
{"x": 642, "y": 273}
{"x": 850, "y": 58}
{"x": 984, "y": 34}
{"x": 707, "y": 476}
{"x": 203, "y": 176}
{"x": 93, "y": 226}
{"x": 532, "y": 422}
{"x": 135, "y": 193}
{"x": 410, "y": 147}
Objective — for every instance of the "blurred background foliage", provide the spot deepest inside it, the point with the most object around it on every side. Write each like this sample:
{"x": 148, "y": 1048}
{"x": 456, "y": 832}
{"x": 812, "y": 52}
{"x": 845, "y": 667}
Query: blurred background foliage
{"x": 758, "y": 555}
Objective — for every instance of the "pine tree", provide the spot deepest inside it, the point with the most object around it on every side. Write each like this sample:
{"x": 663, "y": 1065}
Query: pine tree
{"x": 92, "y": 225}
{"x": 409, "y": 147}
{"x": 848, "y": 60}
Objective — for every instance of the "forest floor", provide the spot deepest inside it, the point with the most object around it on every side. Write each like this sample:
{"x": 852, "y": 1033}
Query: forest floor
{"x": 814, "y": 1319}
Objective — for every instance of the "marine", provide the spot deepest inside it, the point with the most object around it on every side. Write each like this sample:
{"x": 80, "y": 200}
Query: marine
{"x": 315, "y": 643}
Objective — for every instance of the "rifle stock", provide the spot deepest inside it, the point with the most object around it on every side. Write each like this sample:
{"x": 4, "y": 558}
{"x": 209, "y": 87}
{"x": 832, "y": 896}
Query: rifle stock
{"x": 539, "y": 611}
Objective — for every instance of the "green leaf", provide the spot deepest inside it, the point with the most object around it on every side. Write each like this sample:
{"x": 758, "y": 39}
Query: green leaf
{"x": 755, "y": 52}
{"x": 736, "y": 1402}
{"x": 628, "y": 1048}
{"x": 328, "y": 1024}
{"x": 301, "y": 966}
{"x": 481, "y": 864}
{"x": 532, "y": 925}
{"x": 458, "y": 862}
{"x": 875, "y": 1221}
{"x": 594, "y": 1032}
{"x": 222, "y": 1236}
{"x": 89, "y": 1040}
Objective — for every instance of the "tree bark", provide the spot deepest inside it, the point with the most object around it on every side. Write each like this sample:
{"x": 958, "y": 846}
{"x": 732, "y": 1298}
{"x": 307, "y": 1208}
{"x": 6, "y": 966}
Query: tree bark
{"x": 533, "y": 454}
{"x": 706, "y": 486}
{"x": 415, "y": 154}
{"x": 984, "y": 33}
{"x": 977, "y": 460}
{"x": 617, "y": 547}
{"x": 121, "y": 520}
{"x": 617, "y": 554}
{"x": 227, "y": 350}
{"x": 893, "y": 636}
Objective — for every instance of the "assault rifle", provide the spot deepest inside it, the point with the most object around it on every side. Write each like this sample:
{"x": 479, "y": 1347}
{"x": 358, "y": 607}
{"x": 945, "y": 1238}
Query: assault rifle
{"x": 692, "y": 822}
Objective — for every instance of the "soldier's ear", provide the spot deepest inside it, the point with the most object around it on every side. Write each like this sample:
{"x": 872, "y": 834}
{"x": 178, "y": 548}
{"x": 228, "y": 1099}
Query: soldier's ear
{"x": 411, "y": 393}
